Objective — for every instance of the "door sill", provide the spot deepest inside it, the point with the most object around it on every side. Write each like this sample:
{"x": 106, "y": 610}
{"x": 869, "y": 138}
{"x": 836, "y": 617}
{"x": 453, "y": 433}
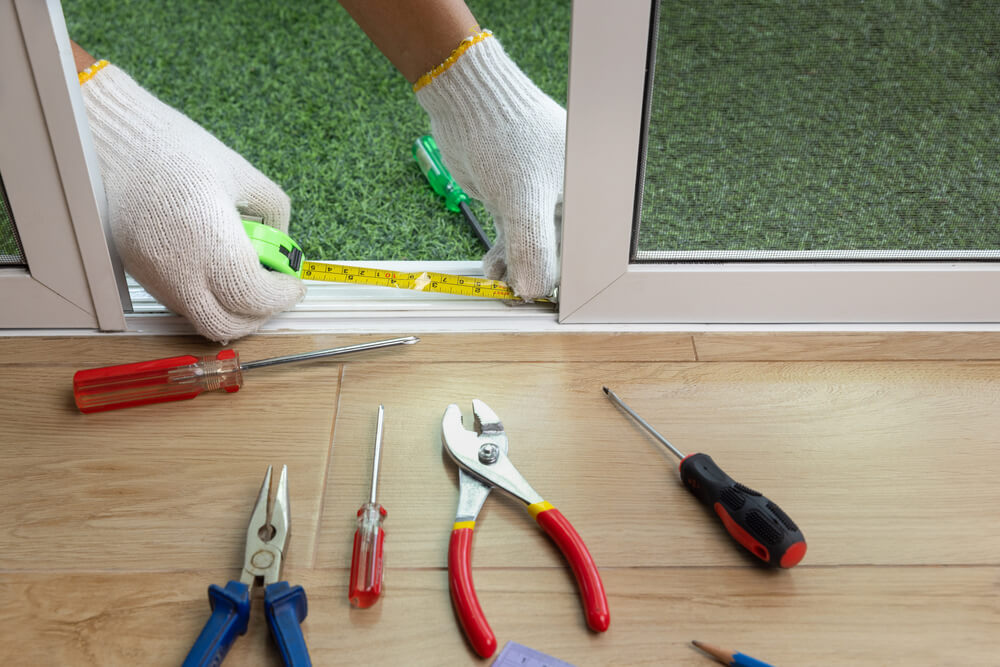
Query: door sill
{"x": 338, "y": 308}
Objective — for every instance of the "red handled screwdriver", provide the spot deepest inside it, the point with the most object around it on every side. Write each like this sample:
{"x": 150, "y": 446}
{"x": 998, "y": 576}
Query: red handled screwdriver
{"x": 185, "y": 377}
{"x": 369, "y": 539}
{"x": 750, "y": 518}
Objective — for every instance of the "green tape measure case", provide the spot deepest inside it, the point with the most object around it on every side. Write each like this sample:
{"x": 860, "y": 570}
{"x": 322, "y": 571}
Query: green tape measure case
{"x": 276, "y": 249}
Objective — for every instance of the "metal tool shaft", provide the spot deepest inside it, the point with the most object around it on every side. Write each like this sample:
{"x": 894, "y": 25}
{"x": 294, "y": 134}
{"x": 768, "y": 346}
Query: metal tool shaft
{"x": 320, "y": 354}
{"x": 378, "y": 452}
{"x": 642, "y": 422}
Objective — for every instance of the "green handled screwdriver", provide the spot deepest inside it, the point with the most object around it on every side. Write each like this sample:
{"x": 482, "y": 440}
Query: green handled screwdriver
{"x": 427, "y": 155}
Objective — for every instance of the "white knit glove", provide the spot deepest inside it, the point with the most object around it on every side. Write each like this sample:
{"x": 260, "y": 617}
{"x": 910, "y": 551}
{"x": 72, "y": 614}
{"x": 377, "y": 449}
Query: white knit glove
{"x": 504, "y": 141}
{"x": 173, "y": 191}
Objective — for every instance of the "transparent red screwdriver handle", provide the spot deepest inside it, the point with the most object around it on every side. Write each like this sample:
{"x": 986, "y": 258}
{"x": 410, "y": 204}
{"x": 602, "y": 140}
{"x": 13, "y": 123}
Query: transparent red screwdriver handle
{"x": 157, "y": 381}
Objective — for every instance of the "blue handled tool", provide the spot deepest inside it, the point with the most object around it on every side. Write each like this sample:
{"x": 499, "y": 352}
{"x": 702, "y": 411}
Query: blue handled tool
{"x": 285, "y": 606}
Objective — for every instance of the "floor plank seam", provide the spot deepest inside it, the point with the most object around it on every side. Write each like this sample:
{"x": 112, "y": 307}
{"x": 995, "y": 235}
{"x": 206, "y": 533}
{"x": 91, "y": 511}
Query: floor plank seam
{"x": 326, "y": 469}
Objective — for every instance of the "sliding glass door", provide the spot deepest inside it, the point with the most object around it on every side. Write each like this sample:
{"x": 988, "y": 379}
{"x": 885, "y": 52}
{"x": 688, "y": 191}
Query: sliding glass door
{"x": 814, "y": 162}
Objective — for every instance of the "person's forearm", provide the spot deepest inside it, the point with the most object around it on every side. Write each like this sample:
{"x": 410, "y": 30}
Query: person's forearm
{"x": 81, "y": 58}
{"x": 417, "y": 35}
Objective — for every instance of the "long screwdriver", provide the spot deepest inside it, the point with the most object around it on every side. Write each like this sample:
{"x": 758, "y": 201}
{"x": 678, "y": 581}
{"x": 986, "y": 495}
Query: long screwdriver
{"x": 369, "y": 539}
{"x": 428, "y": 156}
{"x": 184, "y": 377}
{"x": 750, "y": 518}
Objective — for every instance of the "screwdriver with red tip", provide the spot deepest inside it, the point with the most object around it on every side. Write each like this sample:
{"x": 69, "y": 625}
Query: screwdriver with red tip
{"x": 184, "y": 377}
{"x": 751, "y": 518}
{"x": 369, "y": 539}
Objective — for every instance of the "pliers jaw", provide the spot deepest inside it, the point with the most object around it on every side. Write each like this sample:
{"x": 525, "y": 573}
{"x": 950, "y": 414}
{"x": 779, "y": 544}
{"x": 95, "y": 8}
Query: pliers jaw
{"x": 488, "y": 429}
{"x": 482, "y": 457}
{"x": 487, "y": 421}
{"x": 267, "y": 533}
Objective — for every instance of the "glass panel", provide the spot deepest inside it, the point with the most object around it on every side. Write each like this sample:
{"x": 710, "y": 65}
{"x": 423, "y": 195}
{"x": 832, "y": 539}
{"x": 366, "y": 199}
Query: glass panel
{"x": 820, "y": 129}
{"x": 11, "y": 253}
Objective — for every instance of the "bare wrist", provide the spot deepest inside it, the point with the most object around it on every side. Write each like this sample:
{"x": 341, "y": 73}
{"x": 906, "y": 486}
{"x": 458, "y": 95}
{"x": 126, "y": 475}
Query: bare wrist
{"x": 416, "y": 35}
{"x": 81, "y": 58}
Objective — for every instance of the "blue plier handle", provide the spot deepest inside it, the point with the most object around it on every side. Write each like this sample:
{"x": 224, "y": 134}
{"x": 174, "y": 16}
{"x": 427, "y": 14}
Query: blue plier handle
{"x": 285, "y": 606}
{"x": 230, "y": 618}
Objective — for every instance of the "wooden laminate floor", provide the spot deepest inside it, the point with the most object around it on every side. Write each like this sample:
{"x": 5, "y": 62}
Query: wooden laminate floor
{"x": 882, "y": 447}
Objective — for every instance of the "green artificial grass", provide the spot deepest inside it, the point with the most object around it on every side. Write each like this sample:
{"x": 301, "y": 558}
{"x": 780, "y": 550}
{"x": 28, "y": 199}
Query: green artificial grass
{"x": 9, "y": 248}
{"x": 811, "y": 124}
{"x": 299, "y": 90}
{"x": 776, "y": 124}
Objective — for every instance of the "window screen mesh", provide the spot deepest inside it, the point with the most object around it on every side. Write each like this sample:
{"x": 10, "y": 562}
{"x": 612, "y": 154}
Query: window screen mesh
{"x": 833, "y": 128}
{"x": 11, "y": 253}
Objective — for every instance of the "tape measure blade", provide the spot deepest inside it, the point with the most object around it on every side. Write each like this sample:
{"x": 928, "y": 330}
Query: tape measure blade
{"x": 425, "y": 281}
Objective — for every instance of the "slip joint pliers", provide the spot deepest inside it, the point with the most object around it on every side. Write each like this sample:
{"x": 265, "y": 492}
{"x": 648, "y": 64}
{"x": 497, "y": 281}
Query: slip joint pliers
{"x": 481, "y": 455}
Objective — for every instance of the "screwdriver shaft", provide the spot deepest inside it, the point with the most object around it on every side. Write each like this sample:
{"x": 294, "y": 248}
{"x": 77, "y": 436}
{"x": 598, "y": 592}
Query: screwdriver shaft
{"x": 473, "y": 221}
{"x": 378, "y": 452}
{"x": 642, "y": 422}
{"x": 332, "y": 352}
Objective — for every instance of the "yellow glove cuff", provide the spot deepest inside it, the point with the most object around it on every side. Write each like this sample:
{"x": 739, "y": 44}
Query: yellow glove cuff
{"x": 88, "y": 74}
{"x": 467, "y": 43}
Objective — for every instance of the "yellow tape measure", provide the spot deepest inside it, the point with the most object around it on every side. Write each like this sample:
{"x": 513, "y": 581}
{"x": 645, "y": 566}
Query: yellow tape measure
{"x": 279, "y": 252}
{"x": 421, "y": 281}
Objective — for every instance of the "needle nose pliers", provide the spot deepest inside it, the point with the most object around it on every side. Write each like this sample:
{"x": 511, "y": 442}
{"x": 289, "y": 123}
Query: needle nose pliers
{"x": 483, "y": 465}
{"x": 284, "y": 605}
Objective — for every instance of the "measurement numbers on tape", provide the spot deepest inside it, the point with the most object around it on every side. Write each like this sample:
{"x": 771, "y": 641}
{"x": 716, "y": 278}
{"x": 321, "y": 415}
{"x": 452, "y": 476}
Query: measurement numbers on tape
{"x": 423, "y": 281}
{"x": 278, "y": 252}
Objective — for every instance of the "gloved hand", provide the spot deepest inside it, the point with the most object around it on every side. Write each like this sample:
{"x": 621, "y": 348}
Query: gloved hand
{"x": 504, "y": 141}
{"x": 173, "y": 190}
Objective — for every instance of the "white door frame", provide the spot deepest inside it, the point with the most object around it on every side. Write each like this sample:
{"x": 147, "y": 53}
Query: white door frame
{"x": 608, "y": 59}
{"x": 51, "y": 175}
{"x": 75, "y": 281}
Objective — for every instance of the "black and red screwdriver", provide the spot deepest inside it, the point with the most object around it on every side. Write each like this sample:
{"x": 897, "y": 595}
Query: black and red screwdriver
{"x": 750, "y": 518}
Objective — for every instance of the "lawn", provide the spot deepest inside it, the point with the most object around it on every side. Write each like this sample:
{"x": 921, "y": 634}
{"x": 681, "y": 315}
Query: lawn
{"x": 810, "y": 124}
{"x": 776, "y": 124}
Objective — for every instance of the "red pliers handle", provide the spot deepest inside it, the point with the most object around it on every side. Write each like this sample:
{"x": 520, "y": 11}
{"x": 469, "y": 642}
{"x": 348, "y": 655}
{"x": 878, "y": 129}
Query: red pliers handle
{"x": 558, "y": 527}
